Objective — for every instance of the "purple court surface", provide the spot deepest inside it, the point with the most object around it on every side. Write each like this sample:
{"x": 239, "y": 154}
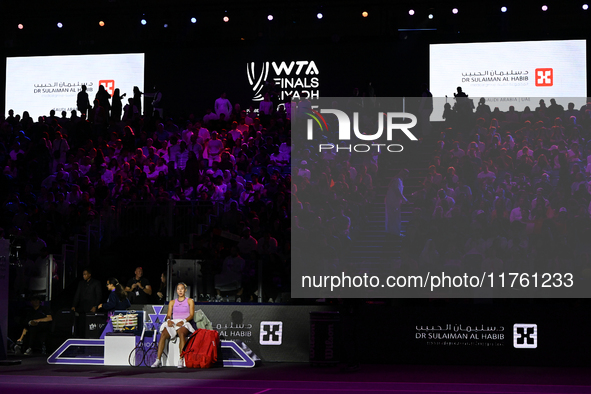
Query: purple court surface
{"x": 34, "y": 375}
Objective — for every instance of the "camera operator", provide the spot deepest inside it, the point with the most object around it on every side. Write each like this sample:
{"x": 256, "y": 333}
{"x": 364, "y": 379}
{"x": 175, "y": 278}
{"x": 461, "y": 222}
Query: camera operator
{"x": 139, "y": 288}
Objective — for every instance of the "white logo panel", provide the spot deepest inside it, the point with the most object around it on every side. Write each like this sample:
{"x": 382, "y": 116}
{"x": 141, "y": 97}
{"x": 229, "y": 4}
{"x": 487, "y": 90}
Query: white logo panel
{"x": 525, "y": 336}
{"x": 271, "y": 333}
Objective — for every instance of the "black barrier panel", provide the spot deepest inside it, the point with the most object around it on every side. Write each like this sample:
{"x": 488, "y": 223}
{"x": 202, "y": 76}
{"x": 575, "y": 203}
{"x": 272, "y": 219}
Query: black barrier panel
{"x": 273, "y": 332}
{"x": 94, "y": 325}
{"x": 516, "y": 333}
{"x": 325, "y": 338}
{"x": 508, "y": 333}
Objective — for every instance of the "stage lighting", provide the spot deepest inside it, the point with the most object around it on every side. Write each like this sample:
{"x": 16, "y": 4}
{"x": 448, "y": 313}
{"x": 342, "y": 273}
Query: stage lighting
{"x": 270, "y": 17}
{"x": 165, "y": 25}
{"x": 60, "y": 25}
{"x": 20, "y": 26}
{"x": 226, "y": 19}
{"x": 503, "y": 9}
{"x": 143, "y": 21}
{"x": 193, "y": 20}
{"x": 101, "y": 23}
{"x": 319, "y": 15}
{"x": 544, "y": 8}
{"x": 585, "y": 7}
{"x": 430, "y": 16}
{"x": 454, "y": 11}
{"x": 411, "y": 12}
{"x": 364, "y": 14}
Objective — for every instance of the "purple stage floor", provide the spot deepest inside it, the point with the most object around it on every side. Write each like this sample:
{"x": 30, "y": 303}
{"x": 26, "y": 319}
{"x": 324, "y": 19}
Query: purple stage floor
{"x": 35, "y": 376}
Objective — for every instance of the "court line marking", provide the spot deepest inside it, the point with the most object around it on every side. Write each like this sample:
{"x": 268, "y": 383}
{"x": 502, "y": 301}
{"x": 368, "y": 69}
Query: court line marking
{"x": 315, "y": 389}
{"x": 308, "y": 381}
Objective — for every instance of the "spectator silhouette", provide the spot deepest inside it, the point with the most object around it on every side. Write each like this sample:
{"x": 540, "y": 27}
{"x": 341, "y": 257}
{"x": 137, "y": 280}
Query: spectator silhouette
{"x": 82, "y": 101}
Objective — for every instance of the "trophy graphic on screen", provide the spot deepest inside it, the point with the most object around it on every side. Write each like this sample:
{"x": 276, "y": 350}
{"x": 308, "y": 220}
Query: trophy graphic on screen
{"x": 257, "y": 86}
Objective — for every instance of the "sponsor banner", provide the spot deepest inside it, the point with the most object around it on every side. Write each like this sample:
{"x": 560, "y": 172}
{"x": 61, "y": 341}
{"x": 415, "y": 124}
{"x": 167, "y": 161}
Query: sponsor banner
{"x": 272, "y": 332}
{"x": 38, "y": 84}
{"x": 550, "y": 69}
{"x": 480, "y": 332}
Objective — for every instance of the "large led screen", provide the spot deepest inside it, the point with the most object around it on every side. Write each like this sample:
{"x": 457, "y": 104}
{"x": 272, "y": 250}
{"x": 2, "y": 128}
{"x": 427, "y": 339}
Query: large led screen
{"x": 501, "y": 72}
{"x": 40, "y": 84}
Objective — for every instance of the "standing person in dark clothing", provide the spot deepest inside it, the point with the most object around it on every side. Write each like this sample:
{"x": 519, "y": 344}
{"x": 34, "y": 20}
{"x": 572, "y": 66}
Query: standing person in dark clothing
{"x": 117, "y": 105}
{"x": 117, "y": 297}
{"x": 87, "y": 297}
{"x": 88, "y": 294}
{"x": 37, "y": 323}
{"x": 425, "y": 110}
{"x": 162, "y": 290}
{"x": 82, "y": 101}
{"x": 156, "y": 102}
{"x": 139, "y": 288}
{"x": 137, "y": 99}
{"x": 103, "y": 97}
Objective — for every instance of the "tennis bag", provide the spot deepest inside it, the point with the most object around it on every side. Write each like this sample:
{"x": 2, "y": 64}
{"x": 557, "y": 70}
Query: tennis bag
{"x": 201, "y": 350}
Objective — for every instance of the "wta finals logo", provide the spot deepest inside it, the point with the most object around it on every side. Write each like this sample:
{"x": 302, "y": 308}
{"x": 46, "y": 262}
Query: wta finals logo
{"x": 293, "y": 80}
{"x": 260, "y": 82}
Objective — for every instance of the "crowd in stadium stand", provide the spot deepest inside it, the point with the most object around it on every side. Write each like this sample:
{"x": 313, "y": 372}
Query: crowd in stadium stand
{"x": 502, "y": 190}
{"x": 62, "y": 173}
{"x": 332, "y": 192}
{"x": 508, "y": 190}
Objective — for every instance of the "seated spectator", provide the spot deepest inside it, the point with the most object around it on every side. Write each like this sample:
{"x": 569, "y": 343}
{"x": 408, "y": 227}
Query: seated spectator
{"x": 442, "y": 196}
{"x": 214, "y": 148}
{"x": 485, "y": 174}
{"x": 451, "y": 176}
{"x": 457, "y": 151}
{"x": 525, "y": 151}
{"x": 267, "y": 244}
{"x": 573, "y": 154}
{"x": 34, "y": 246}
{"x": 247, "y": 243}
{"x": 35, "y": 328}
{"x": 230, "y": 278}
{"x": 163, "y": 151}
{"x": 541, "y": 166}
{"x": 539, "y": 200}
{"x": 139, "y": 287}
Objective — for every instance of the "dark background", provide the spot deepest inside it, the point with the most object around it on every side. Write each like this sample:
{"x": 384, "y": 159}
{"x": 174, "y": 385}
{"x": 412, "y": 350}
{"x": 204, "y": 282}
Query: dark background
{"x": 193, "y": 63}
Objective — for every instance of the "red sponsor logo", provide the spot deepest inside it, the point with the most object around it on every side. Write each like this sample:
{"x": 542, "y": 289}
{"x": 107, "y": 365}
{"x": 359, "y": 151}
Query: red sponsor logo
{"x": 544, "y": 77}
{"x": 109, "y": 85}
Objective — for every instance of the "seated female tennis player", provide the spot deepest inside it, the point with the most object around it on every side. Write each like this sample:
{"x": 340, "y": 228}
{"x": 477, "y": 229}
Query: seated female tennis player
{"x": 180, "y": 313}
